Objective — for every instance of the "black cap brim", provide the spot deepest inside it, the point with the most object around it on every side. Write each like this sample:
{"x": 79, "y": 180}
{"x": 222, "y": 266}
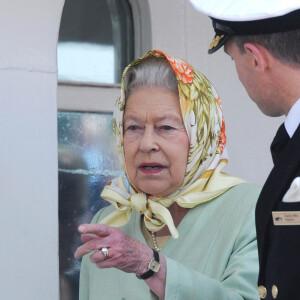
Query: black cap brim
{"x": 218, "y": 42}
{"x": 225, "y": 29}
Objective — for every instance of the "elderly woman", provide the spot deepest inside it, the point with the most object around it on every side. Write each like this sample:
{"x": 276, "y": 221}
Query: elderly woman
{"x": 180, "y": 229}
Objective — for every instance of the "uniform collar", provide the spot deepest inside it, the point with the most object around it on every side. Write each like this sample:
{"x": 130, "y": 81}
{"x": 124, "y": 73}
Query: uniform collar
{"x": 293, "y": 118}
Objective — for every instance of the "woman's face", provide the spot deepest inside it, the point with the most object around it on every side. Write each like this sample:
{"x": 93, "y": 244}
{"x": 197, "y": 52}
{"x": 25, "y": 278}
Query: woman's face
{"x": 156, "y": 144}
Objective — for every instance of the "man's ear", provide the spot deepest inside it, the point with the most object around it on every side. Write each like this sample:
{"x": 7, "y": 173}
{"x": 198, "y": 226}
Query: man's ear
{"x": 258, "y": 55}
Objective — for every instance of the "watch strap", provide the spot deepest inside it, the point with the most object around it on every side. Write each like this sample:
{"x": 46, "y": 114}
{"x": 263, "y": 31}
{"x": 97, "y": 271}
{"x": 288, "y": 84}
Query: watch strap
{"x": 149, "y": 273}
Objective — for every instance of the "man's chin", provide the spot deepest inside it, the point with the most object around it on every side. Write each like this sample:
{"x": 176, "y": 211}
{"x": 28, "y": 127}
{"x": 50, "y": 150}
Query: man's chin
{"x": 270, "y": 112}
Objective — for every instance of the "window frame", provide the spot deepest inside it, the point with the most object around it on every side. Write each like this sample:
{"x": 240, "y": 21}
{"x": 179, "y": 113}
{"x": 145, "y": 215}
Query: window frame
{"x": 94, "y": 97}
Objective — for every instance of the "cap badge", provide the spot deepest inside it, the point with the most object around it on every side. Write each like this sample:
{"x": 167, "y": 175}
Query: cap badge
{"x": 215, "y": 41}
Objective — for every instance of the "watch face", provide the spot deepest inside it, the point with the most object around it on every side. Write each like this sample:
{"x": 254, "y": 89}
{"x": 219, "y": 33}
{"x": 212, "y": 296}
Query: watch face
{"x": 154, "y": 265}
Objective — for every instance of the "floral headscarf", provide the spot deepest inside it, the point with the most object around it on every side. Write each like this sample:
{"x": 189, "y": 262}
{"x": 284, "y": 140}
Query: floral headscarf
{"x": 204, "y": 123}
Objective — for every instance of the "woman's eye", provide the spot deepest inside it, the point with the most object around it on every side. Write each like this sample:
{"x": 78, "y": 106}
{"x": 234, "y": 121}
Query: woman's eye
{"x": 132, "y": 127}
{"x": 166, "y": 127}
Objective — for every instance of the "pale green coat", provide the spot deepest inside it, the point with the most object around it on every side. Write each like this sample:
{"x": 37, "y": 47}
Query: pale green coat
{"x": 214, "y": 258}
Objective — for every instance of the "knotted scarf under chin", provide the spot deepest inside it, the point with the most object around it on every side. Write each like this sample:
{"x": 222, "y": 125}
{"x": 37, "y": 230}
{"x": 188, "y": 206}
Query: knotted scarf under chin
{"x": 156, "y": 215}
{"x": 155, "y": 209}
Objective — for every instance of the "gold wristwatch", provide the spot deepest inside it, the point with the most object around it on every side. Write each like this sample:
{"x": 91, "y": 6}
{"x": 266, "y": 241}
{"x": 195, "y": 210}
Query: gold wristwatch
{"x": 153, "y": 266}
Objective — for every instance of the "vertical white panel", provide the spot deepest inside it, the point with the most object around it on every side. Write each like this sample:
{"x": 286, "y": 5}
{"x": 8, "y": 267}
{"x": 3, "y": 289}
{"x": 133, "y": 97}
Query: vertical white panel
{"x": 28, "y": 151}
{"x": 28, "y": 172}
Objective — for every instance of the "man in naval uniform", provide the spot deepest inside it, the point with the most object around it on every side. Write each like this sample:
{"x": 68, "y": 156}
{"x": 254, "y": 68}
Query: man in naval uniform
{"x": 263, "y": 38}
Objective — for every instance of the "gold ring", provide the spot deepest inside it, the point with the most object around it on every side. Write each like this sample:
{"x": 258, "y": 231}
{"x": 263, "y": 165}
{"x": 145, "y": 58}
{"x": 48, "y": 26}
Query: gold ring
{"x": 105, "y": 252}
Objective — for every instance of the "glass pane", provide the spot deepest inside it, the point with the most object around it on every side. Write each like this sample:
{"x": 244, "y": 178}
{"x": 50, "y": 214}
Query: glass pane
{"x": 95, "y": 40}
{"x": 87, "y": 160}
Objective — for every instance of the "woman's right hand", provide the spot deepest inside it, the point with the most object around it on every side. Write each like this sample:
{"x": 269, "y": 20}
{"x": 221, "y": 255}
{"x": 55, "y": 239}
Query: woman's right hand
{"x": 124, "y": 253}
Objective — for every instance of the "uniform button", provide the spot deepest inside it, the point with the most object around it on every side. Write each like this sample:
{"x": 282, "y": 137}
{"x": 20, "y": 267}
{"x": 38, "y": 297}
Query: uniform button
{"x": 274, "y": 291}
{"x": 262, "y": 292}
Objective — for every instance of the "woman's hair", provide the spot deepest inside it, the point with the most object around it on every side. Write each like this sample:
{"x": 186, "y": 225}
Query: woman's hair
{"x": 150, "y": 72}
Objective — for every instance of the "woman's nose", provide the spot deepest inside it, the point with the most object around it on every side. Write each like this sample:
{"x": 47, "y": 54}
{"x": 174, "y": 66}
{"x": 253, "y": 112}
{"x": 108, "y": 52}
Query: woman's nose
{"x": 149, "y": 140}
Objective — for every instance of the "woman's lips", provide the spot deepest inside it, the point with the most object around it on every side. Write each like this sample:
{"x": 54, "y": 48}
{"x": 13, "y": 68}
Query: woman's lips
{"x": 151, "y": 168}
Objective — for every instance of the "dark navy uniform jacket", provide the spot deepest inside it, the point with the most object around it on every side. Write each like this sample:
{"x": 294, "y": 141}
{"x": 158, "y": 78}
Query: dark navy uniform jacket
{"x": 279, "y": 246}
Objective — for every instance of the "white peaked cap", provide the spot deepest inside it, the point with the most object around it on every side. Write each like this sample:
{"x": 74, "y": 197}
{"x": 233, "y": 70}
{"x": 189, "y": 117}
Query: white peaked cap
{"x": 238, "y": 10}
{"x": 252, "y": 17}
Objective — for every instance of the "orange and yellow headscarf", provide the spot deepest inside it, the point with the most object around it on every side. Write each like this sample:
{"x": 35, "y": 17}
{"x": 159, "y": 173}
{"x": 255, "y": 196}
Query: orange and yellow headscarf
{"x": 204, "y": 123}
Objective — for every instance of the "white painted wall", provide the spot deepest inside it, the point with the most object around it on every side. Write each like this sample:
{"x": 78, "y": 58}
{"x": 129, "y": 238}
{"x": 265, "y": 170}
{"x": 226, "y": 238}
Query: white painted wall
{"x": 28, "y": 151}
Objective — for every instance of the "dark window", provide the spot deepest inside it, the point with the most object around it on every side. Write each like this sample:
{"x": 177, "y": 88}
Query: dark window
{"x": 95, "y": 40}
